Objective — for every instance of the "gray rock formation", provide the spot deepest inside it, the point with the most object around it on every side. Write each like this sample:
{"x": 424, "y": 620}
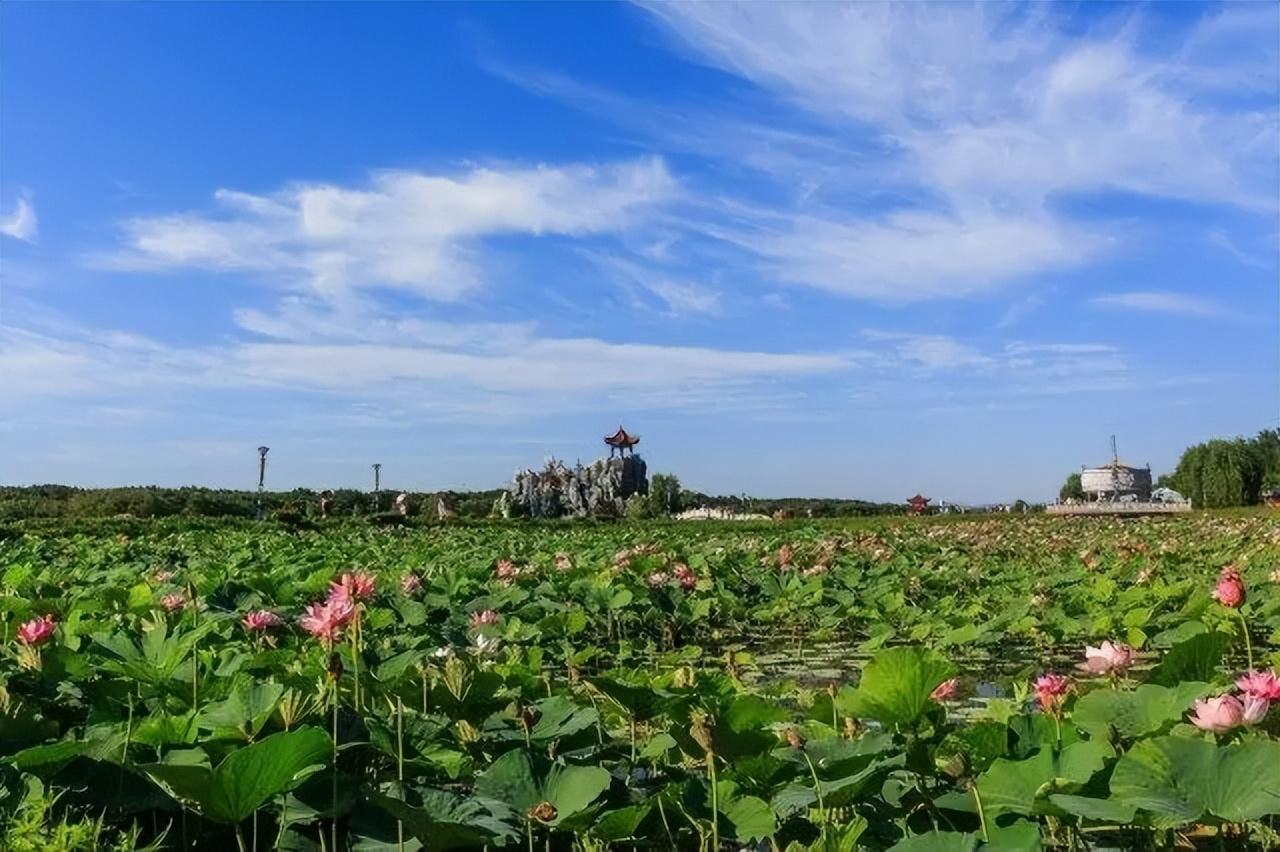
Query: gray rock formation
{"x": 598, "y": 490}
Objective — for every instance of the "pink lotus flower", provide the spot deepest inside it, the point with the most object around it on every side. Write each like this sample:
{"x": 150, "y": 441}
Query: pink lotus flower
{"x": 160, "y": 576}
{"x": 1051, "y": 690}
{"x": 37, "y": 631}
{"x": 1254, "y": 709}
{"x": 659, "y": 578}
{"x": 324, "y": 621}
{"x": 260, "y": 621}
{"x": 1217, "y": 714}
{"x": 353, "y": 587}
{"x": 506, "y": 570}
{"x": 944, "y": 691}
{"x": 410, "y": 583}
{"x": 1230, "y": 588}
{"x": 685, "y": 576}
{"x": 173, "y": 601}
{"x": 1108, "y": 657}
{"x": 1260, "y": 684}
{"x": 484, "y": 618}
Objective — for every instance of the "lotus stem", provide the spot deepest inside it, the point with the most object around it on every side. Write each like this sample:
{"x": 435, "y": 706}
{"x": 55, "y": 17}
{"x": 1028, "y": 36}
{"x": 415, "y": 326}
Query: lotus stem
{"x": 333, "y": 815}
{"x": 817, "y": 789}
{"x": 982, "y": 814}
{"x": 715, "y": 802}
{"x": 355, "y": 660}
{"x": 1248, "y": 645}
{"x": 400, "y": 766}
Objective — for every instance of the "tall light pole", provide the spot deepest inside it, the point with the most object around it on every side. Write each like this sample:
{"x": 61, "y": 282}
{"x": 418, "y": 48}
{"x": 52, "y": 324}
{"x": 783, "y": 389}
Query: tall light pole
{"x": 262, "y": 476}
{"x": 377, "y": 478}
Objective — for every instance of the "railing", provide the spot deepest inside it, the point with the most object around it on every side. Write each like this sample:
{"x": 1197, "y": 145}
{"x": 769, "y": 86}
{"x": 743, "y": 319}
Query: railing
{"x": 1118, "y": 508}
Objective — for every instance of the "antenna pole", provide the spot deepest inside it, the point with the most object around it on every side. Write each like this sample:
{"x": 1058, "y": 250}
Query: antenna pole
{"x": 262, "y": 475}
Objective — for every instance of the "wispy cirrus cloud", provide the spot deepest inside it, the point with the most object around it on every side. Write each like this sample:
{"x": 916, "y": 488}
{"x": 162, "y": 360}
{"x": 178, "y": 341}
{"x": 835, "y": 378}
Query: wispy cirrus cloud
{"x": 1161, "y": 302}
{"x": 22, "y": 223}
{"x": 916, "y": 152}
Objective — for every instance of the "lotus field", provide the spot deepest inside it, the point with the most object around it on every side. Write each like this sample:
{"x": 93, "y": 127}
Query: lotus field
{"x": 1001, "y": 684}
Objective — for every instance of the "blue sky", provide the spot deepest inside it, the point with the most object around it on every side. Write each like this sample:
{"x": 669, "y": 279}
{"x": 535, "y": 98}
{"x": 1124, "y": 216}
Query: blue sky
{"x": 802, "y": 249}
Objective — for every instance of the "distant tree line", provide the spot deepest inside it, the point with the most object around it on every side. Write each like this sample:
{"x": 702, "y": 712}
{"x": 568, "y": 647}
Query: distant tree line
{"x": 665, "y": 498}
{"x": 64, "y": 501}
{"x": 1221, "y": 472}
{"x": 797, "y": 507}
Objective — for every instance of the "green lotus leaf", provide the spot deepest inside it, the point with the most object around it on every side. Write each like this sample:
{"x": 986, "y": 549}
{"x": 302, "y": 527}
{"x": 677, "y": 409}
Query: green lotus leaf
{"x": 896, "y": 684}
{"x": 249, "y": 776}
{"x": 1143, "y": 711}
{"x": 1186, "y": 779}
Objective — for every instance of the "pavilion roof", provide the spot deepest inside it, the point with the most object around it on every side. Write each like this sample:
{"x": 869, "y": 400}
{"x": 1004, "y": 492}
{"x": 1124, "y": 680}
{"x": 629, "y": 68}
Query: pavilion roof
{"x": 622, "y": 438}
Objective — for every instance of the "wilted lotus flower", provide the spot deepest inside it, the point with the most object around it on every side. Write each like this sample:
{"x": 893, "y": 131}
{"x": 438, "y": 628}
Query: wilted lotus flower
{"x": 37, "y": 631}
{"x": 1274, "y": 576}
{"x": 484, "y": 618}
{"x": 543, "y": 812}
{"x": 1145, "y": 575}
{"x": 260, "y": 621}
{"x": 1254, "y": 709}
{"x": 484, "y": 645}
{"x": 324, "y": 621}
{"x": 1230, "y": 588}
{"x": 173, "y": 601}
{"x": 410, "y": 583}
{"x": 1260, "y": 684}
{"x": 161, "y": 576}
{"x": 1051, "y": 691}
{"x": 1217, "y": 714}
{"x": 1107, "y": 658}
{"x": 353, "y": 587}
{"x": 944, "y": 691}
{"x": 564, "y": 562}
{"x": 659, "y": 578}
{"x": 506, "y": 570}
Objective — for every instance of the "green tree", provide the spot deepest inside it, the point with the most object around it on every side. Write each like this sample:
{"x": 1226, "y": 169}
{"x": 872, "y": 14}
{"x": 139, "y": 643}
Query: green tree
{"x": 1071, "y": 489}
{"x": 664, "y": 495}
{"x": 638, "y": 508}
{"x": 1221, "y": 473}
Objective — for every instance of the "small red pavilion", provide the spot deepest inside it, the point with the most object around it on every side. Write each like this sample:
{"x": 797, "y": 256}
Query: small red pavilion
{"x": 622, "y": 441}
{"x": 918, "y": 504}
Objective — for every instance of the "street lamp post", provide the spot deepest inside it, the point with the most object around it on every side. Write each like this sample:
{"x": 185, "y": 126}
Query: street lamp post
{"x": 377, "y": 485}
{"x": 262, "y": 476}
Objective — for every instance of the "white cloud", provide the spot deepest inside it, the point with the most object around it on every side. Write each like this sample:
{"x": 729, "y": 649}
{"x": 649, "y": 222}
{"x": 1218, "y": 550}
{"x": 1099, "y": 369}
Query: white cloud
{"x": 21, "y": 224}
{"x": 458, "y": 366}
{"x": 406, "y": 230}
{"x": 909, "y": 257}
{"x": 1162, "y": 303}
